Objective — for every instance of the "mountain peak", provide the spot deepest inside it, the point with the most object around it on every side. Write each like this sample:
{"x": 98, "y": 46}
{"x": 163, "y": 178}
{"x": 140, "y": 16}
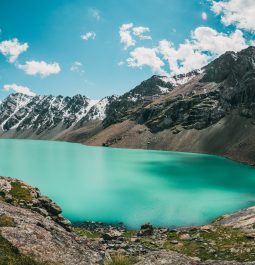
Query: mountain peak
{"x": 230, "y": 65}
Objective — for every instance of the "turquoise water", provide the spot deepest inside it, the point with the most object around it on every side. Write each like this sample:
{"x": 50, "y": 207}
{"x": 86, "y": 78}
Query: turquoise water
{"x": 130, "y": 186}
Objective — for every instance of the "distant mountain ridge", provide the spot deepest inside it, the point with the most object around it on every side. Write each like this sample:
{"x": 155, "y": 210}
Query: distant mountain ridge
{"x": 211, "y": 110}
{"x": 39, "y": 114}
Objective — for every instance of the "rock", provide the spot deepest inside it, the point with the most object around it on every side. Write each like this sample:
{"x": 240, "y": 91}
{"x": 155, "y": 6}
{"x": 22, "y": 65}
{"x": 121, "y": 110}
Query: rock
{"x": 185, "y": 237}
{"x": 172, "y": 258}
{"x": 108, "y": 237}
{"x": 174, "y": 242}
{"x": 166, "y": 258}
{"x": 44, "y": 239}
{"x": 53, "y": 209}
{"x": 40, "y": 210}
{"x": 8, "y": 198}
{"x": 206, "y": 227}
{"x": 146, "y": 230}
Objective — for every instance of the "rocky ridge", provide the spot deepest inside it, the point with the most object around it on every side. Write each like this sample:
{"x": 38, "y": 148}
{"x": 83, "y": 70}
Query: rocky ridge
{"x": 224, "y": 85}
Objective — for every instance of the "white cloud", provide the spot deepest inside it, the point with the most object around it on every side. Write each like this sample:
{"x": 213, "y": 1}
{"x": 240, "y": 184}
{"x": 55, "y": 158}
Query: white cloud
{"x": 12, "y": 49}
{"x": 128, "y": 33}
{"x": 89, "y": 35}
{"x": 76, "y": 67}
{"x": 240, "y": 13}
{"x": 204, "y": 16}
{"x": 95, "y": 13}
{"x": 42, "y": 68}
{"x": 208, "y": 39}
{"x": 121, "y": 63}
{"x": 19, "y": 89}
{"x": 183, "y": 59}
{"x": 142, "y": 56}
{"x": 139, "y": 32}
{"x": 125, "y": 35}
{"x": 204, "y": 45}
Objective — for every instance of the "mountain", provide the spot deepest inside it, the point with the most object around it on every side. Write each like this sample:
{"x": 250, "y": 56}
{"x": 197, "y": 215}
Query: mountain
{"x": 24, "y": 116}
{"x": 27, "y": 116}
{"x": 211, "y": 110}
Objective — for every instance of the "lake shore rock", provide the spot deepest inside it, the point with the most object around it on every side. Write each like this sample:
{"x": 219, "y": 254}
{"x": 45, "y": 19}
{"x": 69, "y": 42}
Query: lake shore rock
{"x": 32, "y": 227}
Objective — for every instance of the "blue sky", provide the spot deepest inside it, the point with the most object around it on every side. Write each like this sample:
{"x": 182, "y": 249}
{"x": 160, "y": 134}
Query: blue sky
{"x": 105, "y": 60}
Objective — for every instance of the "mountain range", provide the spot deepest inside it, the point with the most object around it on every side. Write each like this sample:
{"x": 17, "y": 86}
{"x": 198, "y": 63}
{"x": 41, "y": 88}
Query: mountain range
{"x": 210, "y": 110}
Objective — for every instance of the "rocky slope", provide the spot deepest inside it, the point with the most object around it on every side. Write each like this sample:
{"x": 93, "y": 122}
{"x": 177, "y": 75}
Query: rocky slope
{"x": 213, "y": 112}
{"x": 33, "y": 232}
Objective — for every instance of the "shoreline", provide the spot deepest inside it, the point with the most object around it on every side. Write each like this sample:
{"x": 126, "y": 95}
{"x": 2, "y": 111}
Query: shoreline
{"x": 31, "y": 223}
{"x": 242, "y": 162}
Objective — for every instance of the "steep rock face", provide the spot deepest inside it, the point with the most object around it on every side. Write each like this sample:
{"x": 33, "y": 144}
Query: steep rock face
{"x": 225, "y": 84}
{"x": 143, "y": 94}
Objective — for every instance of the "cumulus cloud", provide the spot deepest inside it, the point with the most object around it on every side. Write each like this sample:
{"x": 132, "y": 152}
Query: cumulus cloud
{"x": 142, "y": 56}
{"x": 12, "y": 49}
{"x": 89, "y": 35}
{"x": 19, "y": 89}
{"x": 76, "y": 67}
{"x": 236, "y": 12}
{"x": 203, "y": 45}
{"x": 125, "y": 35}
{"x": 139, "y": 32}
{"x": 128, "y": 33}
{"x": 41, "y": 68}
{"x": 208, "y": 39}
{"x": 183, "y": 59}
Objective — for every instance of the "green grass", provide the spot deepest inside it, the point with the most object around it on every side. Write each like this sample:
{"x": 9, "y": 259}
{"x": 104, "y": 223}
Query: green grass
{"x": 19, "y": 192}
{"x": 217, "y": 244}
{"x": 6, "y": 221}
{"x": 129, "y": 233}
{"x": 9, "y": 255}
{"x": 87, "y": 233}
{"x": 121, "y": 260}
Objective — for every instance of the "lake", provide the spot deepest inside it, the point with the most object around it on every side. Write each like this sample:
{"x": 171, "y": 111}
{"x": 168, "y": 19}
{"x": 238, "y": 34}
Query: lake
{"x": 131, "y": 186}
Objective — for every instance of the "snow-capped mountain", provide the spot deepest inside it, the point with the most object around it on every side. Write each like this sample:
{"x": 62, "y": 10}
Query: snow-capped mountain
{"x": 41, "y": 114}
{"x": 181, "y": 79}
